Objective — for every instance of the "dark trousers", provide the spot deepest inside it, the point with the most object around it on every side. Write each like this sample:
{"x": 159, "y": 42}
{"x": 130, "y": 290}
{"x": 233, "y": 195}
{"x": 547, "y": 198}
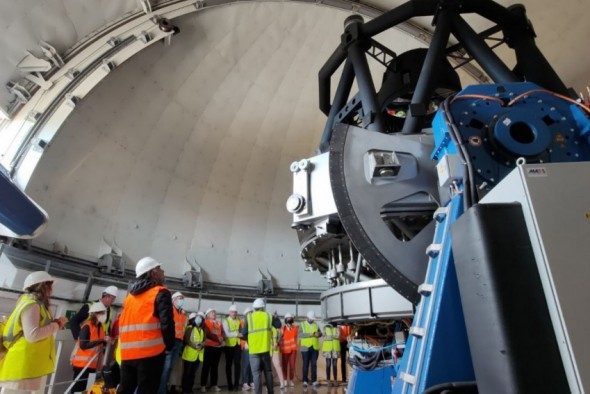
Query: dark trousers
{"x": 310, "y": 357}
{"x": 233, "y": 356}
{"x": 171, "y": 357}
{"x": 81, "y": 383}
{"x": 142, "y": 374}
{"x": 210, "y": 365}
{"x": 259, "y": 363}
{"x": 188, "y": 375}
{"x": 331, "y": 362}
{"x": 343, "y": 359}
{"x": 246, "y": 370}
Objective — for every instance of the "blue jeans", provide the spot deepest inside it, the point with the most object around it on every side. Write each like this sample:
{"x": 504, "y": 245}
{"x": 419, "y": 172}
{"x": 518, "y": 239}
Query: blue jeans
{"x": 168, "y": 363}
{"x": 259, "y": 363}
{"x": 310, "y": 356}
{"x": 246, "y": 371}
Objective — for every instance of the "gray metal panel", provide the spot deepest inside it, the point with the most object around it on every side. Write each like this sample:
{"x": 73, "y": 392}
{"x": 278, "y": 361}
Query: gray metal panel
{"x": 556, "y": 205}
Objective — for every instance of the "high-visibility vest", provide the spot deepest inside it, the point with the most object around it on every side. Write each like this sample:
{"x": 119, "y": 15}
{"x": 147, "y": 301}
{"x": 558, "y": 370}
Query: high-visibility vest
{"x": 275, "y": 348}
{"x": 289, "y": 339}
{"x": 197, "y": 337}
{"x": 331, "y": 341}
{"x": 81, "y": 357}
{"x": 343, "y": 333}
{"x": 308, "y": 329}
{"x": 179, "y": 323}
{"x": 234, "y": 326}
{"x": 107, "y": 324}
{"x": 26, "y": 359}
{"x": 140, "y": 332}
{"x": 259, "y": 332}
{"x": 214, "y": 327}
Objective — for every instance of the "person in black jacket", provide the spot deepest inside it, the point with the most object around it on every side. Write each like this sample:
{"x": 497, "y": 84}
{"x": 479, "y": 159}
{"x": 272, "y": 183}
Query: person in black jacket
{"x": 141, "y": 373}
{"x": 109, "y": 295}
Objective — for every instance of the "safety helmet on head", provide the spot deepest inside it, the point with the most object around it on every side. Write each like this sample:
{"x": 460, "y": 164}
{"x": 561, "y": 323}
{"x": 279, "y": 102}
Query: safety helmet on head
{"x": 246, "y": 311}
{"x": 209, "y": 311}
{"x": 177, "y": 294}
{"x": 288, "y": 315}
{"x": 111, "y": 290}
{"x": 311, "y": 315}
{"x": 233, "y": 308}
{"x": 258, "y": 303}
{"x": 192, "y": 316}
{"x": 97, "y": 307}
{"x": 199, "y": 313}
{"x": 145, "y": 265}
{"x": 37, "y": 277}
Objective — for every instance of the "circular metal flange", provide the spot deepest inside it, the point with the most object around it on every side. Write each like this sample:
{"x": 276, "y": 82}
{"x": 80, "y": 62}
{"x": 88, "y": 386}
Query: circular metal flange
{"x": 362, "y": 204}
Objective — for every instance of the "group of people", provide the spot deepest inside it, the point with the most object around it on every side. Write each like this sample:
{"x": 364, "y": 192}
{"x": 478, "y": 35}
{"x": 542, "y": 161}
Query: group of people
{"x": 153, "y": 331}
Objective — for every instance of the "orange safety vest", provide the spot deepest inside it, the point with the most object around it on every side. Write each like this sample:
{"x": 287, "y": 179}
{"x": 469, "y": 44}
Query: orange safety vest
{"x": 179, "y": 323}
{"x": 343, "y": 333}
{"x": 289, "y": 340}
{"x": 81, "y": 357}
{"x": 140, "y": 333}
{"x": 215, "y": 328}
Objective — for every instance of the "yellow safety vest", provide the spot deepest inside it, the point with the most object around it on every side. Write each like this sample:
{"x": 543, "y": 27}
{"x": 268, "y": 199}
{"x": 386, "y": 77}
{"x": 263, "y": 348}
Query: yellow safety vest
{"x": 308, "y": 329}
{"x": 331, "y": 340}
{"x": 234, "y": 326}
{"x": 197, "y": 338}
{"x": 26, "y": 359}
{"x": 259, "y": 324}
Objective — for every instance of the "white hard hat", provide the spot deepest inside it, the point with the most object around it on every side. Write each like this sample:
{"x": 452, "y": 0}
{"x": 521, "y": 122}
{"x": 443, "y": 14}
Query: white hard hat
{"x": 311, "y": 315}
{"x": 199, "y": 313}
{"x": 288, "y": 315}
{"x": 145, "y": 265}
{"x": 37, "y": 277}
{"x": 233, "y": 308}
{"x": 97, "y": 307}
{"x": 177, "y": 294}
{"x": 192, "y": 316}
{"x": 246, "y": 311}
{"x": 258, "y": 303}
{"x": 209, "y": 311}
{"x": 111, "y": 290}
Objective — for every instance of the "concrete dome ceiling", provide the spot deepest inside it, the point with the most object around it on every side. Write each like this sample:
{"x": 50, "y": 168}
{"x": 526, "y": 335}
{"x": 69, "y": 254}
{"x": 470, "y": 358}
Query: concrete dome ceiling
{"x": 185, "y": 150}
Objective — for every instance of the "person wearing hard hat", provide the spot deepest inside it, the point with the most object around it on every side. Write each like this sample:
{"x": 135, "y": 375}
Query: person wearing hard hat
{"x": 146, "y": 329}
{"x": 213, "y": 347}
{"x": 288, "y": 345}
{"x": 91, "y": 341}
{"x": 232, "y": 349}
{"x": 247, "y": 379}
{"x": 193, "y": 352}
{"x": 331, "y": 351}
{"x": 309, "y": 343}
{"x": 108, "y": 296}
{"x": 28, "y": 336}
{"x": 343, "y": 337}
{"x": 257, "y": 332}
{"x": 179, "y": 323}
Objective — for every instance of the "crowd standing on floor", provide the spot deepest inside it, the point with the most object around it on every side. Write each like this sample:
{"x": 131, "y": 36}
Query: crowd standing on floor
{"x": 153, "y": 331}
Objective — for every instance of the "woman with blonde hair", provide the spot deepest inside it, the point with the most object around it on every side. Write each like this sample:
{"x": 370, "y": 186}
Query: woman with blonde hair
{"x": 28, "y": 336}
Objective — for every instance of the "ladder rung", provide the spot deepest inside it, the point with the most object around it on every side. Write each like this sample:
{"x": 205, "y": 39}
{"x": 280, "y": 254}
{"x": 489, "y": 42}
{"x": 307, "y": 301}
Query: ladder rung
{"x": 425, "y": 289}
{"x": 433, "y": 250}
{"x": 440, "y": 214}
{"x": 418, "y": 331}
{"x": 406, "y": 377}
